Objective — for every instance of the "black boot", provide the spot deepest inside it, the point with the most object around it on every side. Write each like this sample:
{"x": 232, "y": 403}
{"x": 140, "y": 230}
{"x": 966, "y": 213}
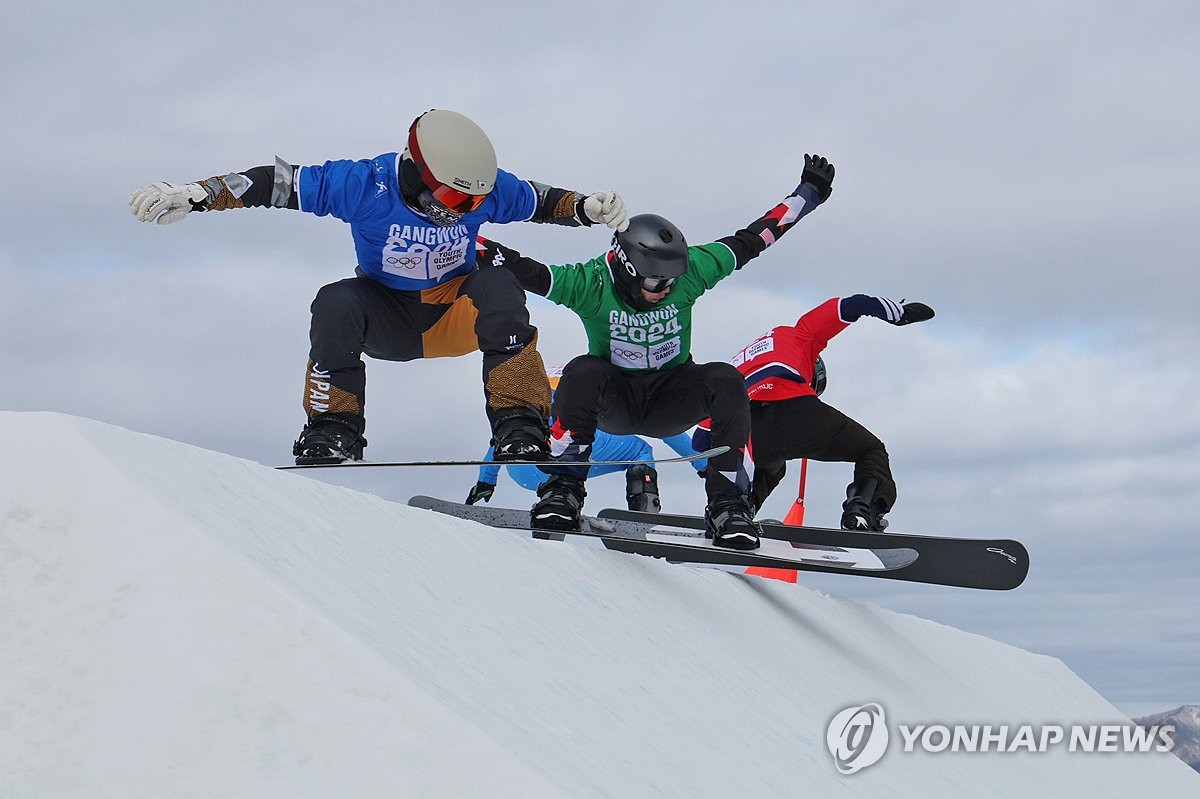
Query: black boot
{"x": 520, "y": 434}
{"x": 862, "y": 510}
{"x": 330, "y": 438}
{"x": 559, "y": 505}
{"x": 729, "y": 521}
{"x": 641, "y": 488}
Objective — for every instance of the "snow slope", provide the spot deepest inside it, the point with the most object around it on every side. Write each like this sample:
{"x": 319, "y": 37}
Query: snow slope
{"x": 178, "y": 622}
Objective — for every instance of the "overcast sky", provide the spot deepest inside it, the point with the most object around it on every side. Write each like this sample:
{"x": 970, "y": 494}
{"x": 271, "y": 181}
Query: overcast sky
{"x": 1027, "y": 169}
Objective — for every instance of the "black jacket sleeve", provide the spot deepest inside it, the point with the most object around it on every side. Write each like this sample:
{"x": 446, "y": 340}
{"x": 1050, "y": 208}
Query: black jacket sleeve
{"x": 752, "y": 240}
{"x": 532, "y": 274}
{"x": 559, "y": 206}
{"x": 257, "y": 187}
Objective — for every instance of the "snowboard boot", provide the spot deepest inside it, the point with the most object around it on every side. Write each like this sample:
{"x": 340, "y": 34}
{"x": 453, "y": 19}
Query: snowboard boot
{"x": 641, "y": 488}
{"x": 862, "y": 510}
{"x": 519, "y": 434}
{"x": 559, "y": 505}
{"x": 330, "y": 438}
{"x": 729, "y": 521}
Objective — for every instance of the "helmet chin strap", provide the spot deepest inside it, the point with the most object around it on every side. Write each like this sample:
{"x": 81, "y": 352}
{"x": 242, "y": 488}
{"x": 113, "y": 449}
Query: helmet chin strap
{"x": 419, "y": 198}
{"x": 438, "y": 214}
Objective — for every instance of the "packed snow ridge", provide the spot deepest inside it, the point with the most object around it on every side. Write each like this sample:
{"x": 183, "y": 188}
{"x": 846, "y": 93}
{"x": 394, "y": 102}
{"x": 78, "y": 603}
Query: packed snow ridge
{"x": 178, "y": 622}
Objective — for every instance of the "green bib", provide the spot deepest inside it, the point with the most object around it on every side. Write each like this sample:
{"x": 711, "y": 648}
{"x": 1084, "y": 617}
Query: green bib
{"x": 634, "y": 340}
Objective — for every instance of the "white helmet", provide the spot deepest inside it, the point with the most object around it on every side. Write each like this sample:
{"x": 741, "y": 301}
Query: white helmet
{"x": 449, "y": 166}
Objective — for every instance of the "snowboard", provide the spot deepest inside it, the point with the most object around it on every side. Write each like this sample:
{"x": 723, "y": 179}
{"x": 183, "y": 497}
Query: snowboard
{"x": 689, "y": 546}
{"x": 998, "y": 564}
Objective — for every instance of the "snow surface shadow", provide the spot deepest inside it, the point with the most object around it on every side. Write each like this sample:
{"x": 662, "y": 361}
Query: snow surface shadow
{"x": 809, "y": 624}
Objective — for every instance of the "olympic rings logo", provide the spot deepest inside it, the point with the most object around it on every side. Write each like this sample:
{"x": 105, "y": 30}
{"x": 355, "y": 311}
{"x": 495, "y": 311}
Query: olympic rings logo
{"x": 406, "y": 261}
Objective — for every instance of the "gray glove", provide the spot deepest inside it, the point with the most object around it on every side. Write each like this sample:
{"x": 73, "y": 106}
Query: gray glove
{"x": 164, "y": 203}
{"x": 607, "y": 207}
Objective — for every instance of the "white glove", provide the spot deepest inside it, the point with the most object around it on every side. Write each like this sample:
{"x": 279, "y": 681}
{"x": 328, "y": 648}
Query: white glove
{"x": 607, "y": 207}
{"x": 164, "y": 203}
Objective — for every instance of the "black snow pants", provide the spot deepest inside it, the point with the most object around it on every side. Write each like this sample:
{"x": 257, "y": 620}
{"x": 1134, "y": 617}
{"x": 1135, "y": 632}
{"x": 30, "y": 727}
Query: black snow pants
{"x": 484, "y": 310}
{"x": 594, "y": 393}
{"x": 805, "y": 427}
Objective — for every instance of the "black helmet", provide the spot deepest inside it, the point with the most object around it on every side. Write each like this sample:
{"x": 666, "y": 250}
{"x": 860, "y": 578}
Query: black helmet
{"x": 652, "y": 254}
{"x": 820, "y": 376}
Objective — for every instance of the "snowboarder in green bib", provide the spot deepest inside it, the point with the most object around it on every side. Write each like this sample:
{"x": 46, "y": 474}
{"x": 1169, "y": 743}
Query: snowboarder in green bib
{"x": 638, "y": 376}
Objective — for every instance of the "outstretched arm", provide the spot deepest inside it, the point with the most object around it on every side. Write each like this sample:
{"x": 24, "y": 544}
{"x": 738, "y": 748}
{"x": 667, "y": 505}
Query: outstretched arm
{"x": 816, "y": 184}
{"x": 485, "y": 486}
{"x": 837, "y": 313}
{"x": 853, "y": 308}
{"x": 274, "y": 186}
{"x": 260, "y": 186}
{"x": 570, "y": 208}
{"x": 533, "y": 275}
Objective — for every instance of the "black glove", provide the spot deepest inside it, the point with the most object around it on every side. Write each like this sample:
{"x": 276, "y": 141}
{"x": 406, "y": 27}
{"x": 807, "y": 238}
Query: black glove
{"x": 818, "y": 173}
{"x": 914, "y": 312}
{"x": 482, "y": 491}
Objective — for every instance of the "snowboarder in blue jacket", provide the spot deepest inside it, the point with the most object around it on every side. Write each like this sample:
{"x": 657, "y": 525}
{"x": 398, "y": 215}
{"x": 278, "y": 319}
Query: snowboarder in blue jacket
{"x": 416, "y": 293}
{"x": 641, "y": 479}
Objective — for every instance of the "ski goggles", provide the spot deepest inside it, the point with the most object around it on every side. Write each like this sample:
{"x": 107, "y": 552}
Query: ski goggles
{"x": 656, "y": 285}
{"x": 453, "y": 200}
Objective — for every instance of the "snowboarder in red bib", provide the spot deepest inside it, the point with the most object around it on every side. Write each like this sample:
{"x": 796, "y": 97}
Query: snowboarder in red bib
{"x": 414, "y": 217}
{"x": 638, "y": 376}
{"x": 785, "y": 375}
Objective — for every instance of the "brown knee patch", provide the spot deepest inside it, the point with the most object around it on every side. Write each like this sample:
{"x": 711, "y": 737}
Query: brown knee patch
{"x": 520, "y": 380}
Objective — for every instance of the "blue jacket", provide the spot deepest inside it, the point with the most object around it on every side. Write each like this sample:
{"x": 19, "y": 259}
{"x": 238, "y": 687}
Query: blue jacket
{"x": 395, "y": 245}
